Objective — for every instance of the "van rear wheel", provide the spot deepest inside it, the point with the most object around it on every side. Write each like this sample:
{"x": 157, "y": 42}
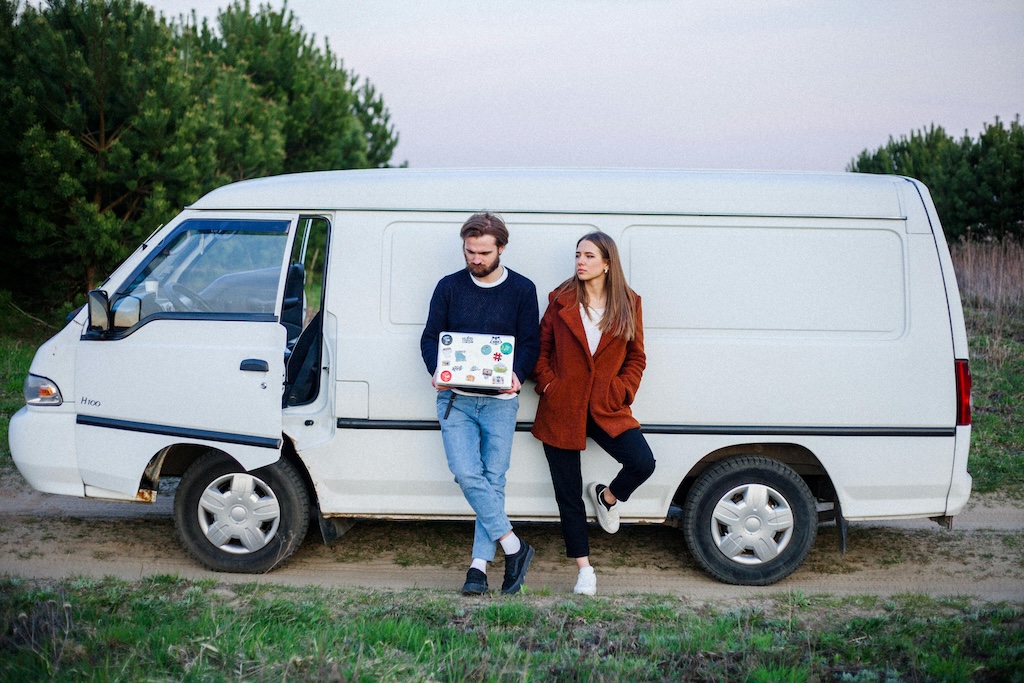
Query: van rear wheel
{"x": 230, "y": 520}
{"x": 750, "y": 521}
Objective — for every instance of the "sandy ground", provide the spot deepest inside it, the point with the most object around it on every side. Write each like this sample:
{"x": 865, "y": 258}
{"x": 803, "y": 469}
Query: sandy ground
{"x": 46, "y": 536}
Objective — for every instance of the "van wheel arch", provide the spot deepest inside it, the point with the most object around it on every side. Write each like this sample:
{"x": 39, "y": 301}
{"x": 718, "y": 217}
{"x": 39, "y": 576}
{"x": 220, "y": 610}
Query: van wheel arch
{"x": 173, "y": 460}
{"x": 795, "y": 456}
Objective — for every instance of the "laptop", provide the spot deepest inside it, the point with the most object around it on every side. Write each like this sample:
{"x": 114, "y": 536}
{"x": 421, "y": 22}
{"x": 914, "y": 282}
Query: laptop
{"x": 475, "y": 361}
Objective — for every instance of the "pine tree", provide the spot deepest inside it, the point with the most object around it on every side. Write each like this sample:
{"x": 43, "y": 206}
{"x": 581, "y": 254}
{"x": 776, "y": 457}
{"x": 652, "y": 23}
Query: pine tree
{"x": 114, "y": 119}
{"x": 977, "y": 185}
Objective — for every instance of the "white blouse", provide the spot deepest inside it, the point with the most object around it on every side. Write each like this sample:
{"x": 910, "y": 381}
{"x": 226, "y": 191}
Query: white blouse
{"x": 590, "y": 326}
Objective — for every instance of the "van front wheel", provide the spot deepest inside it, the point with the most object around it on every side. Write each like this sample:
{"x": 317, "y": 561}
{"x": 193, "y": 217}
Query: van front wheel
{"x": 230, "y": 520}
{"x": 750, "y": 521}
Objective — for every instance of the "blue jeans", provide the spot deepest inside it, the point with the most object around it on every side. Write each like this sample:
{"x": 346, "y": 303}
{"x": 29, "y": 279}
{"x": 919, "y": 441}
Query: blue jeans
{"x": 477, "y": 434}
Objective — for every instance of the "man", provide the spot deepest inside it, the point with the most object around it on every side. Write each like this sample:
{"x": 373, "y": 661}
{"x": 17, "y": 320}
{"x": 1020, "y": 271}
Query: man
{"x": 477, "y": 427}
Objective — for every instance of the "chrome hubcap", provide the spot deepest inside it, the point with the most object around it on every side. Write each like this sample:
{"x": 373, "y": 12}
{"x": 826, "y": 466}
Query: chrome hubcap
{"x": 752, "y": 524}
{"x": 239, "y": 513}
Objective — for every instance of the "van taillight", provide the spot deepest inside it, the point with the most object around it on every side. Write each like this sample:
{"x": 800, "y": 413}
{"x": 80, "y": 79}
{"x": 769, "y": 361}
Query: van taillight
{"x": 963, "y": 393}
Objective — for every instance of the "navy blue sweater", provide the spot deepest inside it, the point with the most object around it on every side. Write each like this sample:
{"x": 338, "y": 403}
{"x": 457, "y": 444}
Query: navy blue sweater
{"x": 460, "y": 305}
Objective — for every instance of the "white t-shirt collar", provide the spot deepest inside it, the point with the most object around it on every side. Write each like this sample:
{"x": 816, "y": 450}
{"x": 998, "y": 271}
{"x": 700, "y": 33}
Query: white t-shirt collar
{"x": 488, "y": 285}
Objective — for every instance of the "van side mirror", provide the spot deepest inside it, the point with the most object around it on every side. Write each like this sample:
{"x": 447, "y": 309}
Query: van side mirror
{"x": 127, "y": 312}
{"x": 99, "y": 311}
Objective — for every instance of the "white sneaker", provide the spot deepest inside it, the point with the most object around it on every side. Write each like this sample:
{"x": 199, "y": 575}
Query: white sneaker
{"x": 608, "y": 518}
{"x": 586, "y": 583}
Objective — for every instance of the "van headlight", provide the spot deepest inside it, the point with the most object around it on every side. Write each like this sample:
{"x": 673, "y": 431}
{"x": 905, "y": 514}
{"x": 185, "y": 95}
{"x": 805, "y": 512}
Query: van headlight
{"x": 40, "y": 391}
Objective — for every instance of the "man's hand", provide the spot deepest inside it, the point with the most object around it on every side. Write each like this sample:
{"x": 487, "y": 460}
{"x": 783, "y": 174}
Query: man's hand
{"x": 516, "y": 386}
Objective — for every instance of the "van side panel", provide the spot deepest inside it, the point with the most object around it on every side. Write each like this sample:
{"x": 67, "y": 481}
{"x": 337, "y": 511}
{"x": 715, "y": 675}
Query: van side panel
{"x": 829, "y": 326}
{"x": 393, "y": 261}
{"x": 828, "y": 334}
{"x": 409, "y": 478}
{"x": 745, "y": 329}
{"x": 887, "y": 478}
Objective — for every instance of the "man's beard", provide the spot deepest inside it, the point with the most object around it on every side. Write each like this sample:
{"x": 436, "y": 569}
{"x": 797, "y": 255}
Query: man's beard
{"x": 483, "y": 271}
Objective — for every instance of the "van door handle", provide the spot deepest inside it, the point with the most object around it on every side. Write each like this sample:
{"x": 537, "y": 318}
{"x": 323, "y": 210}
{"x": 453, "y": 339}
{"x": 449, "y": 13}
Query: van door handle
{"x": 254, "y": 365}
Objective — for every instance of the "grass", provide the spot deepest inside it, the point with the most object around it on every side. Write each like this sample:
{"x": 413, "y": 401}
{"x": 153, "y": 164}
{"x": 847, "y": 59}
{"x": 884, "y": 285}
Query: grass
{"x": 991, "y": 276}
{"x": 991, "y": 280}
{"x": 997, "y": 439}
{"x": 166, "y": 628}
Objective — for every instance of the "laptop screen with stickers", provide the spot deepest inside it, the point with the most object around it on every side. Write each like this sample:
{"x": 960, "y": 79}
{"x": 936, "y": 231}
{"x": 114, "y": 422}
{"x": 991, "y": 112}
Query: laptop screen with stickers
{"x": 471, "y": 360}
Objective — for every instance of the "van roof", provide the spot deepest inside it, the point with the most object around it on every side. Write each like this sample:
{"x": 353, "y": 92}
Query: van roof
{"x": 593, "y": 191}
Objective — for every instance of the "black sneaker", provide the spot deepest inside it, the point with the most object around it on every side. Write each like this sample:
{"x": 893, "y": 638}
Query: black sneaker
{"x": 476, "y": 582}
{"x": 515, "y": 569}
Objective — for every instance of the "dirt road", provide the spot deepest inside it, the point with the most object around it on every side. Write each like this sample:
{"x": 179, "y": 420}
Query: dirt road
{"x": 45, "y": 536}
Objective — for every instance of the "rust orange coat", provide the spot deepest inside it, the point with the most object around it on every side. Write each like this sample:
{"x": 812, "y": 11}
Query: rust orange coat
{"x": 572, "y": 383}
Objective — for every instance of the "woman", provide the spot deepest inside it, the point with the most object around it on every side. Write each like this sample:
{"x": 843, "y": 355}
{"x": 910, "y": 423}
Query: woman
{"x": 590, "y": 365}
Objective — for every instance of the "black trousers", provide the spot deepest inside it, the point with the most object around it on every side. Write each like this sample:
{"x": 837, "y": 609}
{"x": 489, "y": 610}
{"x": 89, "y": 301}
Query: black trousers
{"x": 630, "y": 449}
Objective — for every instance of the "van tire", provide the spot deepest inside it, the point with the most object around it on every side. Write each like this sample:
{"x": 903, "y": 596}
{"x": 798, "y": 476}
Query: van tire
{"x": 250, "y": 530}
{"x": 763, "y": 543}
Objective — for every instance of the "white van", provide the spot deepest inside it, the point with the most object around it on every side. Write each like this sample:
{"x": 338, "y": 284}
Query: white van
{"x": 806, "y": 357}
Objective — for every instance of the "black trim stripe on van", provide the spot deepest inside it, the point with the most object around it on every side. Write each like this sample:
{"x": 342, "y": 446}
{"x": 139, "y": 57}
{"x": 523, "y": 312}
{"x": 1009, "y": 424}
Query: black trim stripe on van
{"x": 117, "y": 334}
{"x": 184, "y": 432}
{"x": 426, "y": 425}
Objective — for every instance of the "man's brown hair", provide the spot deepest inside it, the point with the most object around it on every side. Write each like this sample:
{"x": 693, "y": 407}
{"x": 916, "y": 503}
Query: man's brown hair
{"x": 485, "y": 223}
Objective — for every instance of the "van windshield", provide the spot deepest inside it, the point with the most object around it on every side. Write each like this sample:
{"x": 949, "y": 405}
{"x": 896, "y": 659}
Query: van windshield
{"x": 213, "y": 266}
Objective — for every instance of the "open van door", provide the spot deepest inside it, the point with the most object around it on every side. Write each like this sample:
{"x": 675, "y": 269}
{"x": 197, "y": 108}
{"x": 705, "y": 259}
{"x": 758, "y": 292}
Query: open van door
{"x": 188, "y": 349}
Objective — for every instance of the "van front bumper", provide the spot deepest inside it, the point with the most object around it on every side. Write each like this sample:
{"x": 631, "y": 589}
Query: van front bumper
{"x": 43, "y": 448}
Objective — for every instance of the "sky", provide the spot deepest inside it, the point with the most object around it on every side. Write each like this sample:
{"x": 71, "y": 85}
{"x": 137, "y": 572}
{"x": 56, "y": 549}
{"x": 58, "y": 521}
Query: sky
{"x": 741, "y": 84}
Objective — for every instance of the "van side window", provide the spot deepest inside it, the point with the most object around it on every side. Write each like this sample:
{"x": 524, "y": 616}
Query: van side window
{"x": 212, "y": 266}
{"x": 304, "y": 284}
{"x": 301, "y": 310}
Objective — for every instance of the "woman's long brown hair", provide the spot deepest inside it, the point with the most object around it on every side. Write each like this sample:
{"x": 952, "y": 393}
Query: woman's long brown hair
{"x": 620, "y": 309}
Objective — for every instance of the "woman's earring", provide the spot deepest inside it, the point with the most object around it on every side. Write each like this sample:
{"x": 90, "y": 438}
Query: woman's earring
{"x": 605, "y": 271}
